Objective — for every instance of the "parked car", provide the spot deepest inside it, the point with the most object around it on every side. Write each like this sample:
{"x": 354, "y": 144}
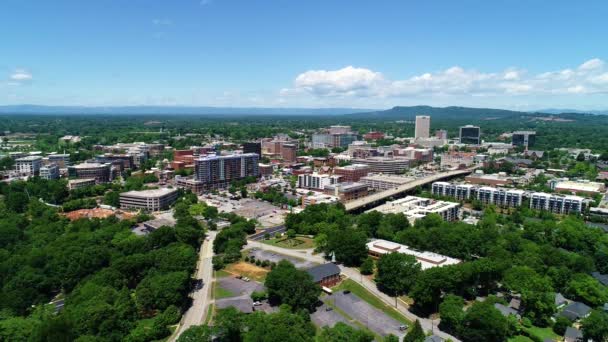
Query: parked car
{"x": 346, "y": 291}
{"x": 403, "y": 327}
{"x": 329, "y": 308}
{"x": 257, "y": 303}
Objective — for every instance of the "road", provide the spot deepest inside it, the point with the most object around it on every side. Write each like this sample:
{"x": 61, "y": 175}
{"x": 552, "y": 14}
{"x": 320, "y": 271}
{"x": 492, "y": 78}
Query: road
{"x": 354, "y": 274}
{"x": 362, "y": 202}
{"x": 201, "y": 299}
{"x": 271, "y": 231}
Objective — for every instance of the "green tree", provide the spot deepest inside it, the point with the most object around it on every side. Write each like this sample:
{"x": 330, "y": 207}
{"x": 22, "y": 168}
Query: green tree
{"x": 196, "y": 333}
{"x": 342, "y": 332}
{"x": 483, "y": 322}
{"x": 367, "y": 267}
{"x": 416, "y": 334}
{"x": 451, "y": 313}
{"x": 397, "y": 273}
{"x": 595, "y": 326}
{"x": 288, "y": 285}
{"x": 560, "y": 325}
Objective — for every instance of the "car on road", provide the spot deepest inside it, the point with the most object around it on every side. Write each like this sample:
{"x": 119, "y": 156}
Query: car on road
{"x": 403, "y": 327}
{"x": 257, "y": 303}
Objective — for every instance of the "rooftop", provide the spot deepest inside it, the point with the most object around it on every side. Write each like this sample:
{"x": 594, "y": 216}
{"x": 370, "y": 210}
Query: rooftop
{"x": 426, "y": 259}
{"x": 320, "y": 272}
{"x": 149, "y": 193}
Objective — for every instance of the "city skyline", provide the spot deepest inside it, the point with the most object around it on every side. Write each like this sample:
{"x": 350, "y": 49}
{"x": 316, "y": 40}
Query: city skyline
{"x": 312, "y": 55}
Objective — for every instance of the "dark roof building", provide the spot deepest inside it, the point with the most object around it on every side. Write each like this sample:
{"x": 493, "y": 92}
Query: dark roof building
{"x": 602, "y": 278}
{"x": 433, "y": 338}
{"x": 506, "y": 311}
{"x": 325, "y": 274}
{"x": 573, "y": 335}
{"x": 576, "y": 311}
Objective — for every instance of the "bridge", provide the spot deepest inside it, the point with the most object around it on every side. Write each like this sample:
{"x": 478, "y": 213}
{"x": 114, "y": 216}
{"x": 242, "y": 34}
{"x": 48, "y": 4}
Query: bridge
{"x": 382, "y": 196}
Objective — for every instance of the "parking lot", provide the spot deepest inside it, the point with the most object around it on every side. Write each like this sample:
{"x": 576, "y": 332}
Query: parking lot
{"x": 275, "y": 257}
{"x": 265, "y": 213}
{"x": 323, "y": 318}
{"x": 242, "y": 291}
{"x": 374, "y": 319}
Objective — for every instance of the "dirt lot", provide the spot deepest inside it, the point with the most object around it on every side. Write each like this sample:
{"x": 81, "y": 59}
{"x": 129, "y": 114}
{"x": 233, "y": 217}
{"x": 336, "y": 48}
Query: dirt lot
{"x": 276, "y": 257}
{"x": 248, "y": 270}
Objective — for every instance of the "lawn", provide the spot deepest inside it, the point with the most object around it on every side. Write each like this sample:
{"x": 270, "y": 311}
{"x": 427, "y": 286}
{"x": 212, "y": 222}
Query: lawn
{"x": 520, "y": 338}
{"x": 299, "y": 242}
{"x": 246, "y": 269}
{"x": 542, "y": 333}
{"x": 374, "y": 301}
{"x": 222, "y": 274}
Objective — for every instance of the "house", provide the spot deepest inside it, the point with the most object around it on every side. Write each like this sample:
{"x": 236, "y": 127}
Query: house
{"x": 573, "y": 335}
{"x": 515, "y": 304}
{"x": 560, "y": 300}
{"x": 506, "y": 311}
{"x": 575, "y": 311}
{"x": 433, "y": 338}
{"x": 602, "y": 278}
{"x": 325, "y": 274}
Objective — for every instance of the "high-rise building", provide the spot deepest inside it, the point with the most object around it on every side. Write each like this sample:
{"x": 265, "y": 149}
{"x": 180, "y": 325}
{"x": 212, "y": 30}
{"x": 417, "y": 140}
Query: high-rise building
{"x": 523, "y": 138}
{"x": 218, "y": 171}
{"x": 423, "y": 126}
{"x": 289, "y": 152}
{"x": 61, "y": 159}
{"x": 335, "y": 136}
{"x": 470, "y": 135}
{"x": 558, "y": 204}
{"x": 441, "y": 134}
{"x": 253, "y": 147}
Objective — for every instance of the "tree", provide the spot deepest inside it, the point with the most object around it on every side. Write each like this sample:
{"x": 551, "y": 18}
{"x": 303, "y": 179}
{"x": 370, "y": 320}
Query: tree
{"x": 367, "y": 267}
{"x": 416, "y": 334}
{"x": 595, "y": 326}
{"x": 397, "y": 273}
{"x": 561, "y": 324}
{"x": 587, "y": 289}
{"x": 451, "y": 313}
{"x": 342, "y": 332}
{"x": 291, "y": 233}
{"x": 288, "y": 285}
{"x": 196, "y": 333}
{"x": 230, "y": 324}
{"x": 278, "y": 327}
{"x": 483, "y": 322}
{"x": 210, "y": 212}
{"x": 349, "y": 245}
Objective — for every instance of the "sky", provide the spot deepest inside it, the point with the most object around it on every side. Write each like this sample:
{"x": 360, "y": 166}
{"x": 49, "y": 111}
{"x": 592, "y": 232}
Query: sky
{"x": 512, "y": 54}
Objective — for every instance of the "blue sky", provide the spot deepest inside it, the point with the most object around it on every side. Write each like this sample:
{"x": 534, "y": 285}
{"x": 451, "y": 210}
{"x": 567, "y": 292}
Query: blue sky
{"x": 326, "y": 53}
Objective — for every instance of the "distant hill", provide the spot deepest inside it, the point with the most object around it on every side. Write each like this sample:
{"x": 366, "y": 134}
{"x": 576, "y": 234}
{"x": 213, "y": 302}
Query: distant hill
{"x": 409, "y": 113}
{"x": 168, "y": 110}
{"x": 573, "y": 111}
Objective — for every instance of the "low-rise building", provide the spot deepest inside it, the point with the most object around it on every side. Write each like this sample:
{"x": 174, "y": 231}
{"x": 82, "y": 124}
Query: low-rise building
{"x": 494, "y": 179}
{"x": 50, "y": 171}
{"x": 29, "y": 165}
{"x": 457, "y": 160}
{"x": 415, "y": 208}
{"x": 325, "y": 275}
{"x": 384, "y": 182}
{"x": 81, "y": 183}
{"x": 318, "y": 198}
{"x": 457, "y": 191}
{"x": 500, "y": 197}
{"x": 427, "y": 260}
{"x": 151, "y": 200}
{"x": 385, "y": 164}
{"x": 579, "y": 187}
{"x": 346, "y": 191}
{"x": 100, "y": 172}
{"x": 353, "y": 172}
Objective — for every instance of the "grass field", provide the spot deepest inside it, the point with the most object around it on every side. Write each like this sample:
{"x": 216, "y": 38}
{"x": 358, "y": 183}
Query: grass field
{"x": 520, "y": 338}
{"x": 542, "y": 333}
{"x": 299, "y": 242}
{"x": 374, "y": 301}
{"x": 247, "y": 270}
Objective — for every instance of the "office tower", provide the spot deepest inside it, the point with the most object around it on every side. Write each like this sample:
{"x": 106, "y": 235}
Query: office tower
{"x": 289, "y": 152}
{"x": 423, "y": 126}
{"x": 29, "y": 165}
{"x": 470, "y": 135}
{"x": 523, "y": 138}
{"x": 253, "y": 147}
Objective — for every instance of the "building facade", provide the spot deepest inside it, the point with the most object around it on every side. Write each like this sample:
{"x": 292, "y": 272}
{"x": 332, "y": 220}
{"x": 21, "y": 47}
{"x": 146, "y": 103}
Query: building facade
{"x": 523, "y": 138}
{"x": 50, "y": 171}
{"x": 470, "y": 135}
{"x": 150, "y": 200}
{"x": 100, "y": 172}
{"x": 316, "y": 181}
{"x": 29, "y": 166}
{"x": 558, "y": 204}
{"x": 218, "y": 171}
{"x": 423, "y": 127}
{"x": 353, "y": 172}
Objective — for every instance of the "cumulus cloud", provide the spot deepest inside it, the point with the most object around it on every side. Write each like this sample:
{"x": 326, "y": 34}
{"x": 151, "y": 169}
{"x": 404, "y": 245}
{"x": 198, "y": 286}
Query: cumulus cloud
{"x": 21, "y": 75}
{"x": 588, "y": 78}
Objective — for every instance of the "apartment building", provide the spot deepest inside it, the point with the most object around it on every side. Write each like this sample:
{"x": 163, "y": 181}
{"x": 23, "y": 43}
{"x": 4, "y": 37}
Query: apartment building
{"x": 457, "y": 191}
{"x": 500, "y": 197}
{"x": 218, "y": 171}
{"x": 558, "y": 204}
{"x": 316, "y": 181}
{"x": 50, "y": 171}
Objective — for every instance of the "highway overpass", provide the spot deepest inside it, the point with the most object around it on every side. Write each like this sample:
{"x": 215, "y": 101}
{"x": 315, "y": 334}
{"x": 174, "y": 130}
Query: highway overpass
{"x": 379, "y": 197}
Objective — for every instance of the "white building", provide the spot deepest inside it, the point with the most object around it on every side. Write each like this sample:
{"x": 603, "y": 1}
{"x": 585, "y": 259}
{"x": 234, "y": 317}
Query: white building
{"x": 152, "y": 200}
{"x": 29, "y": 165}
{"x": 427, "y": 260}
{"x": 423, "y": 127}
{"x": 555, "y": 203}
{"x": 50, "y": 171}
{"x": 316, "y": 181}
{"x": 500, "y": 197}
{"x": 458, "y": 191}
{"x": 418, "y": 207}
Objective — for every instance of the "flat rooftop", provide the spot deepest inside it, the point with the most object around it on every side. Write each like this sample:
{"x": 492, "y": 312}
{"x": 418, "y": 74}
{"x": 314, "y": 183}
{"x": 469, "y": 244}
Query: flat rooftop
{"x": 426, "y": 259}
{"x": 149, "y": 193}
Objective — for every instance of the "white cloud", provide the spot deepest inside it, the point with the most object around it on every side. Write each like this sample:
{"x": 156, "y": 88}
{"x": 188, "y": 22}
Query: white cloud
{"x": 353, "y": 82}
{"x": 21, "y": 75}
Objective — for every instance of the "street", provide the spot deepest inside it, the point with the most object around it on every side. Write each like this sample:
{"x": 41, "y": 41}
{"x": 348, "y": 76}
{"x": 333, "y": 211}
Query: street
{"x": 201, "y": 298}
